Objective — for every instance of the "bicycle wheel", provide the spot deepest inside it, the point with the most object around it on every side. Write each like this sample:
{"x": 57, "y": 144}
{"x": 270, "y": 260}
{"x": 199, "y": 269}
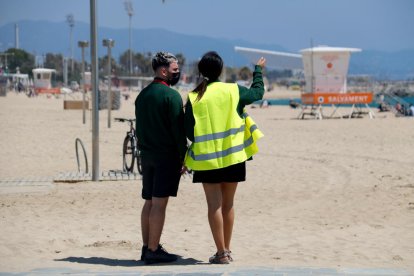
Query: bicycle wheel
{"x": 139, "y": 161}
{"x": 128, "y": 154}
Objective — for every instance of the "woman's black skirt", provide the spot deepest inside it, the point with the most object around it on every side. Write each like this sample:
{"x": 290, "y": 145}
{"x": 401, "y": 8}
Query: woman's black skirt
{"x": 233, "y": 173}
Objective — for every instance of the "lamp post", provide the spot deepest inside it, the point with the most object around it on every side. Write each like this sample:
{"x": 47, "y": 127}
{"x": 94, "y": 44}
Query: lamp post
{"x": 71, "y": 21}
{"x": 130, "y": 11}
{"x": 109, "y": 43}
{"x": 95, "y": 88}
{"x": 83, "y": 45}
{"x": 6, "y": 68}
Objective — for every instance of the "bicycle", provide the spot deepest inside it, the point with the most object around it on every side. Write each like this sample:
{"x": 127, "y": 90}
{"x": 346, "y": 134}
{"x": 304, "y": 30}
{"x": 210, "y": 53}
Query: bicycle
{"x": 130, "y": 149}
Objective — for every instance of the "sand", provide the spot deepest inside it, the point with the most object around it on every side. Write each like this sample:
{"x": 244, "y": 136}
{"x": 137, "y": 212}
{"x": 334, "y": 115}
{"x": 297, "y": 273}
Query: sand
{"x": 333, "y": 193}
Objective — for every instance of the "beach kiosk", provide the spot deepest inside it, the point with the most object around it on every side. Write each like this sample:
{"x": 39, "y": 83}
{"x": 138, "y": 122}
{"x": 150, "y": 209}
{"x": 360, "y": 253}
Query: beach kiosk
{"x": 325, "y": 70}
{"x": 42, "y": 81}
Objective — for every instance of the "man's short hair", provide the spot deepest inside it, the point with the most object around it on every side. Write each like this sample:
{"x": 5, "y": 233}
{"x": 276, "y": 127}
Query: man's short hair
{"x": 162, "y": 59}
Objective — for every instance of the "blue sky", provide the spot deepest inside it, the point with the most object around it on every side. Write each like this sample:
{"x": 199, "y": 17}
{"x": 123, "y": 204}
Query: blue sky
{"x": 386, "y": 25}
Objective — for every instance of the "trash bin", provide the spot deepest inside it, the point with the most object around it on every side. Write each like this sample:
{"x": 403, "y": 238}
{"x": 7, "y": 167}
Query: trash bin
{"x": 103, "y": 99}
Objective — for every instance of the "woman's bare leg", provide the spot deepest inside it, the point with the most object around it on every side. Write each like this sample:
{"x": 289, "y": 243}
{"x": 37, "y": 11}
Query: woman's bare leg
{"x": 215, "y": 216}
{"x": 228, "y": 191}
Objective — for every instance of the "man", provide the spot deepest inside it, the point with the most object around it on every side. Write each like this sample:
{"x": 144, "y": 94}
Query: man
{"x": 161, "y": 138}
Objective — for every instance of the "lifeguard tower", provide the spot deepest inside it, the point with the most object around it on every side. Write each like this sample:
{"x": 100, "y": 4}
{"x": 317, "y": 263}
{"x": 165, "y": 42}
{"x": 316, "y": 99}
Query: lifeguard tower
{"x": 42, "y": 81}
{"x": 325, "y": 70}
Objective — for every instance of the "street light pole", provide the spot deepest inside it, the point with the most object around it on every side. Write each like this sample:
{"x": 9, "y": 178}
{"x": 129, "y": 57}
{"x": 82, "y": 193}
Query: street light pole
{"x": 83, "y": 45}
{"x": 109, "y": 43}
{"x": 130, "y": 52}
{"x": 95, "y": 88}
{"x": 71, "y": 21}
{"x": 130, "y": 11}
{"x": 5, "y": 60}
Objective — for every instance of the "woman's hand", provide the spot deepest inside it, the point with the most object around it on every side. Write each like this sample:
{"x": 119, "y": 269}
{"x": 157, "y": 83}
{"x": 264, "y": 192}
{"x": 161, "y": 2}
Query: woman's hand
{"x": 183, "y": 170}
{"x": 261, "y": 62}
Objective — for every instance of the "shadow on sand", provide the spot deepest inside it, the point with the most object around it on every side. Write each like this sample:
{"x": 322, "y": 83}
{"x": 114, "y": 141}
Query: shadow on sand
{"x": 125, "y": 263}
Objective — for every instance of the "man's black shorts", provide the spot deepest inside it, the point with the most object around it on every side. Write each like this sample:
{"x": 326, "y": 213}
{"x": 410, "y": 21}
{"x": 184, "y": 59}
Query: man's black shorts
{"x": 160, "y": 176}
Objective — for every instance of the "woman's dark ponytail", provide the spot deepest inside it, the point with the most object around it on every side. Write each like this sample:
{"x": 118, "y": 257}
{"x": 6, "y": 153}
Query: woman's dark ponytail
{"x": 201, "y": 88}
{"x": 210, "y": 67}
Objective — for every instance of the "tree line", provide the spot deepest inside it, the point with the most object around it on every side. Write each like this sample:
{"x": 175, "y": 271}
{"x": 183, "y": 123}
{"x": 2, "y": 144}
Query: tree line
{"x": 24, "y": 62}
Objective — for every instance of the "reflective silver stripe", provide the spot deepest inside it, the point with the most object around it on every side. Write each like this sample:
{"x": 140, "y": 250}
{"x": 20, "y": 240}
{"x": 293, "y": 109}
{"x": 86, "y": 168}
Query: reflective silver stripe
{"x": 248, "y": 142}
{"x": 215, "y": 155}
{"x": 253, "y": 128}
{"x": 223, "y": 153}
{"x": 218, "y": 135}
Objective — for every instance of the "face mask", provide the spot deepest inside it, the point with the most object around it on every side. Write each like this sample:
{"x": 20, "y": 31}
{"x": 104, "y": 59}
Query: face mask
{"x": 175, "y": 77}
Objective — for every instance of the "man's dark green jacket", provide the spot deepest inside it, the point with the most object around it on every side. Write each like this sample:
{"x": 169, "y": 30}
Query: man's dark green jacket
{"x": 160, "y": 121}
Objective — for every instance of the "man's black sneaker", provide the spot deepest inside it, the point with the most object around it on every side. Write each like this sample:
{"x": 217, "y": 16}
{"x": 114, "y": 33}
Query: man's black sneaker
{"x": 159, "y": 256}
{"x": 143, "y": 251}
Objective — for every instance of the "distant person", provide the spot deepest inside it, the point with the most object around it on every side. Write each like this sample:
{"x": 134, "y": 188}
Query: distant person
{"x": 411, "y": 109}
{"x": 293, "y": 104}
{"x": 406, "y": 110}
{"x": 264, "y": 104}
{"x": 116, "y": 81}
{"x": 223, "y": 138}
{"x": 30, "y": 94}
{"x": 161, "y": 139}
{"x": 398, "y": 107}
{"x": 20, "y": 87}
{"x": 383, "y": 107}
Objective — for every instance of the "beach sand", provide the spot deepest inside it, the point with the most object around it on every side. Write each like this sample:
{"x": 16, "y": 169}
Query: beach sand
{"x": 333, "y": 193}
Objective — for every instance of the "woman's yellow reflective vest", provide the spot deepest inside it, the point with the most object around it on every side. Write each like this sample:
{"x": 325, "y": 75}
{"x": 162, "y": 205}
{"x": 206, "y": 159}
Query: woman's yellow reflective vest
{"x": 221, "y": 137}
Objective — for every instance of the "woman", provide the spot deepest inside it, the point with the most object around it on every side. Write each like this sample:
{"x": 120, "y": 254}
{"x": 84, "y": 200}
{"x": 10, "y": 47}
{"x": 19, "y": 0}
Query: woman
{"x": 223, "y": 138}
